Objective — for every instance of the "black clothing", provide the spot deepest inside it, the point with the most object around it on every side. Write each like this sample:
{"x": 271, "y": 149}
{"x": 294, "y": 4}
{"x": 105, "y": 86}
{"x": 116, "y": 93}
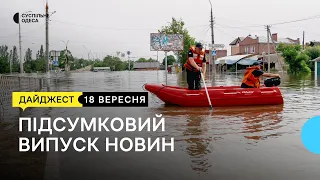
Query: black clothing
{"x": 193, "y": 78}
{"x": 257, "y": 73}
{"x": 243, "y": 85}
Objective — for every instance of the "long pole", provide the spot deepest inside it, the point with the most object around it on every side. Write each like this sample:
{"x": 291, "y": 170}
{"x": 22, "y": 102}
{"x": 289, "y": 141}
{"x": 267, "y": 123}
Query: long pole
{"x": 212, "y": 33}
{"x": 274, "y": 46}
{"x": 129, "y": 62}
{"x": 205, "y": 86}
{"x": 87, "y": 52}
{"x": 303, "y": 41}
{"x": 21, "y": 62}
{"x": 268, "y": 48}
{"x": 212, "y": 41}
{"x": 47, "y": 36}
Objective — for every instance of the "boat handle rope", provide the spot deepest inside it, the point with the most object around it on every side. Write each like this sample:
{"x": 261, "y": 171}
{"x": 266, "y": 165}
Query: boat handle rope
{"x": 144, "y": 86}
{"x": 153, "y": 93}
{"x": 159, "y": 90}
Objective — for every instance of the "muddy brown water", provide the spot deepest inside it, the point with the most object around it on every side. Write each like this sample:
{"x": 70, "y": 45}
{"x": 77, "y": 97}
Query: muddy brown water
{"x": 254, "y": 142}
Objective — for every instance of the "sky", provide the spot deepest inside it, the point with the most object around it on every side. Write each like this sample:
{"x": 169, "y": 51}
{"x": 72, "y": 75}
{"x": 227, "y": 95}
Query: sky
{"x": 107, "y": 26}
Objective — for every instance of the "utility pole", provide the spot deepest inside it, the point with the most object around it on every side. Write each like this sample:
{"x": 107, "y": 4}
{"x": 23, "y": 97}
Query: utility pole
{"x": 268, "y": 39}
{"x": 303, "y": 41}
{"x": 275, "y": 49}
{"x": 87, "y": 52}
{"x": 212, "y": 41}
{"x": 47, "y": 36}
{"x": 21, "y": 62}
{"x": 128, "y": 53}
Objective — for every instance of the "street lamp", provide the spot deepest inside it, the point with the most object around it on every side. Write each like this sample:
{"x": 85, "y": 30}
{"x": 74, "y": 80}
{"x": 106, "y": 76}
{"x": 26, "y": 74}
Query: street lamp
{"x": 16, "y": 19}
{"x": 87, "y": 52}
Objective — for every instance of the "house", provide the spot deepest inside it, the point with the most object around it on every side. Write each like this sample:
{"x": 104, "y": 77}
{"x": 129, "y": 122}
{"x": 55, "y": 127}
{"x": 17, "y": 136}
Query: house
{"x": 235, "y": 50}
{"x": 258, "y": 45}
{"x": 219, "y": 53}
{"x": 140, "y": 66}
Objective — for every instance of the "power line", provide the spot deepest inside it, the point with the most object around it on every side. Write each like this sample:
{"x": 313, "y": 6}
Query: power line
{"x": 225, "y": 33}
{"x": 238, "y": 28}
{"x": 304, "y": 19}
{"x": 117, "y": 29}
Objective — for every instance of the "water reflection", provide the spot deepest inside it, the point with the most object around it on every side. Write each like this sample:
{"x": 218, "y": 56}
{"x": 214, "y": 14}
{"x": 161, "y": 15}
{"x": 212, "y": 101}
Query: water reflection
{"x": 198, "y": 139}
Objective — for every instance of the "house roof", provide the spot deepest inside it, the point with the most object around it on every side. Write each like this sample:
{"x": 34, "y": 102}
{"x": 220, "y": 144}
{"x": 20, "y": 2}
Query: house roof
{"x": 263, "y": 39}
{"x": 316, "y": 59}
{"x": 232, "y": 59}
{"x": 234, "y": 42}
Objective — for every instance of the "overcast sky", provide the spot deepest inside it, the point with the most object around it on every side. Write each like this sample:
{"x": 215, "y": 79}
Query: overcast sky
{"x": 108, "y": 26}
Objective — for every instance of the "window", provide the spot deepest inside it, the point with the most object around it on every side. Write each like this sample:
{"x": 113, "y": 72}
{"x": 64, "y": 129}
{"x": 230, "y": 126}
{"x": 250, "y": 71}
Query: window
{"x": 252, "y": 49}
{"x": 246, "y": 49}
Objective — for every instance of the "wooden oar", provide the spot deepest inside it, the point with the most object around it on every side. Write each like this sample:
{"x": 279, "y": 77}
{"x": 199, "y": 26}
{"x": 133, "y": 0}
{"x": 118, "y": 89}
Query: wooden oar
{"x": 205, "y": 86}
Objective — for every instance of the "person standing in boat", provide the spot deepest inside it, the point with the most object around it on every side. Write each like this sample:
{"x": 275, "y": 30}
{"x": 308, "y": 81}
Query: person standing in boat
{"x": 196, "y": 62}
{"x": 252, "y": 76}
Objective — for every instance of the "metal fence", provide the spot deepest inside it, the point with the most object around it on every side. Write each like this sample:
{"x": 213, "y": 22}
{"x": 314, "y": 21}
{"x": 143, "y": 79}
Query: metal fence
{"x": 12, "y": 83}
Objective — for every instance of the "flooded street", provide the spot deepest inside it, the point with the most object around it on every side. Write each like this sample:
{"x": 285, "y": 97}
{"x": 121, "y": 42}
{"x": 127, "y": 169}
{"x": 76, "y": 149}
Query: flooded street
{"x": 254, "y": 142}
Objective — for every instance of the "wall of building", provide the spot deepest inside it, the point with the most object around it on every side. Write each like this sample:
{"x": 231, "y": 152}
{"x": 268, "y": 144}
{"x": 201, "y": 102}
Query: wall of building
{"x": 221, "y": 53}
{"x": 248, "y": 43}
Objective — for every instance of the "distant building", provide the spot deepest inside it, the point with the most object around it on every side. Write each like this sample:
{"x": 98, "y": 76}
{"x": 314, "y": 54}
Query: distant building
{"x": 313, "y": 43}
{"x": 235, "y": 49}
{"x": 96, "y": 69}
{"x": 143, "y": 66}
{"x": 258, "y": 45}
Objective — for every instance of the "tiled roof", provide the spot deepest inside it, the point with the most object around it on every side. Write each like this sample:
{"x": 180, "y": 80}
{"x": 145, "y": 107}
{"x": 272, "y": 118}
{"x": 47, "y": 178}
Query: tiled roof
{"x": 234, "y": 42}
{"x": 263, "y": 39}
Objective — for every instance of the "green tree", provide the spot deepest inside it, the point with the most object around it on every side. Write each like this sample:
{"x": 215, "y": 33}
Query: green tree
{"x": 28, "y": 64}
{"x": 312, "y": 52}
{"x": 4, "y": 60}
{"x": 177, "y": 27}
{"x": 66, "y": 60}
{"x": 15, "y": 60}
{"x": 296, "y": 59}
{"x": 170, "y": 60}
{"x": 145, "y": 60}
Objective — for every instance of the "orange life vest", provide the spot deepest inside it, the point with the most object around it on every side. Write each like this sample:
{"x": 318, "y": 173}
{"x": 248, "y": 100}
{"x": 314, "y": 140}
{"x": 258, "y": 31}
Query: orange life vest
{"x": 198, "y": 58}
{"x": 249, "y": 78}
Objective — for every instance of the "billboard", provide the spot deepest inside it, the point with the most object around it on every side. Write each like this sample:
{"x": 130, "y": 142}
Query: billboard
{"x": 166, "y": 42}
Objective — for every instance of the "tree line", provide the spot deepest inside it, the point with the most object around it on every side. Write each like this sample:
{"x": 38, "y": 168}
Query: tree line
{"x": 298, "y": 58}
{"x": 116, "y": 64}
{"x": 39, "y": 64}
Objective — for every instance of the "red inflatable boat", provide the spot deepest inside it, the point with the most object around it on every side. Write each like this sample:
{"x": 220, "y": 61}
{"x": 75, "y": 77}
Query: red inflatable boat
{"x": 219, "y": 95}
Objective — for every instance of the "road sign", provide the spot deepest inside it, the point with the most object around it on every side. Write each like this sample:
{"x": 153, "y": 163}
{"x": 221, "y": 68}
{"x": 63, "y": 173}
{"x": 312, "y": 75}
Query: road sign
{"x": 55, "y": 61}
{"x": 214, "y": 53}
{"x": 218, "y": 46}
{"x": 166, "y": 42}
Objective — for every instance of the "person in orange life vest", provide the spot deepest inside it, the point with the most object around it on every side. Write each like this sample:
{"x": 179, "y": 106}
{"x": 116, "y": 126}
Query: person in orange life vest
{"x": 252, "y": 75}
{"x": 196, "y": 62}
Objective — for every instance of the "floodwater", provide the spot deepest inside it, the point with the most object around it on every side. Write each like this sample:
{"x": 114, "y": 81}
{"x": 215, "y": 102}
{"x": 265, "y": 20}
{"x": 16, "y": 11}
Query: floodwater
{"x": 258, "y": 142}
